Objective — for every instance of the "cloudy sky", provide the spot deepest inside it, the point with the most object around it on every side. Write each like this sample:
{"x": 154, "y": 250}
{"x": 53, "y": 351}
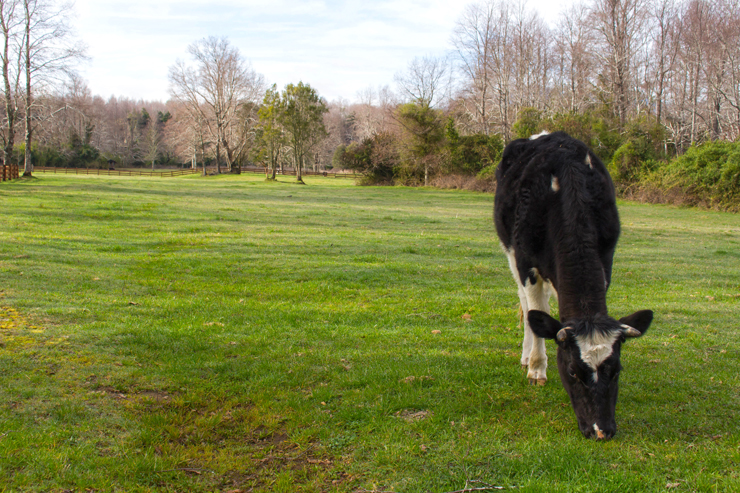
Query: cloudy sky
{"x": 339, "y": 47}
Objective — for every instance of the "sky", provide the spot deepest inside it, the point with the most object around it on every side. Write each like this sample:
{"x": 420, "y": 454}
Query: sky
{"x": 338, "y": 47}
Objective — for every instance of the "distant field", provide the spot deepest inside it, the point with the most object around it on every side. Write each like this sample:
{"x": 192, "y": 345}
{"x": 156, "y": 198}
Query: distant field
{"x": 229, "y": 334}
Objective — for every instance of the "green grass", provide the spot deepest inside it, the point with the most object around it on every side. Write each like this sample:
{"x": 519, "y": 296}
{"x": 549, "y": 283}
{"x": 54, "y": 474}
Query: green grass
{"x": 230, "y": 334}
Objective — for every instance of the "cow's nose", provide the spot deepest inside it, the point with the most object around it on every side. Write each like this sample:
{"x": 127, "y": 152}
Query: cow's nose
{"x": 602, "y": 433}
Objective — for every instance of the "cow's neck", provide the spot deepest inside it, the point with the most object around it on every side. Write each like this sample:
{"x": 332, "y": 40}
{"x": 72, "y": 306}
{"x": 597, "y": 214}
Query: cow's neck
{"x": 581, "y": 286}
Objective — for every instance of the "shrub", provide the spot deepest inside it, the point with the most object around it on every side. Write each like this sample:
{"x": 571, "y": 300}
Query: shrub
{"x": 529, "y": 122}
{"x": 709, "y": 174}
{"x": 594, "y": 127}
{"x": 375, "y": 157}
{"x": 469, "y": 154}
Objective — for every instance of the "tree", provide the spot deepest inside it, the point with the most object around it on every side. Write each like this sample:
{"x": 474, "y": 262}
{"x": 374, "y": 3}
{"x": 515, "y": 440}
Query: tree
{"x": 375, "y": 157}
{"x": 666, "y": 47}
{"x": 186, "y": 135}
{"x": 473, "y": 42}
{"x": 575, "y": 60}
{"x": 271, "y": 133}
{"x": 214, "y": 89}
{"x": 423, "y": 137}
{"x": 619, "y": 24}
{"x": 10, "y": 20}
{"x": 152, "y": 140}
{"x": 470, "y": 154}
{"x": 425, "y": 81}
{"x": 302, "y": 117}
{"x": 49, "y": 48}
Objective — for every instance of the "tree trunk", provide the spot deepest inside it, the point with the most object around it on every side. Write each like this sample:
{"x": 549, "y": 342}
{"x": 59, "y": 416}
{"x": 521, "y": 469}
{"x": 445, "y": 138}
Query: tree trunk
{"x": 299, "y": 167}
{"x": 10, "y": 110}
{"x": 275, "y": 156}
{"x": 218, "y": 157}
{"x": 28, "y": 167}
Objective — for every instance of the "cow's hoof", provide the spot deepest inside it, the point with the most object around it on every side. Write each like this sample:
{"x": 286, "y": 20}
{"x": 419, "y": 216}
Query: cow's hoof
{"x": 538, "y": 381}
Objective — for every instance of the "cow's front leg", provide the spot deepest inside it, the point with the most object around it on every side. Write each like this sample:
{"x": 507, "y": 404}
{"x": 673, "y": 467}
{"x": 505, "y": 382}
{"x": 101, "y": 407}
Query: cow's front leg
{"x": 538, "y": 298}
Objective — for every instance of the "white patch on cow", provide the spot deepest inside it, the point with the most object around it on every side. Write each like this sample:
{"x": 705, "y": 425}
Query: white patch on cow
{"x": 596, "y": 376}
{"x": 599, "y": 433}
{"x": 555, "y": 184}
{"x": 596, "y": 347}
{"x": 541, "y": 134}
{"x": 588, "y": 161}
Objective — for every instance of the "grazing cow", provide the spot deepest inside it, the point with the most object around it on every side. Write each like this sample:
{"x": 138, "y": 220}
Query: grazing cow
{"x": 557, "y": 220}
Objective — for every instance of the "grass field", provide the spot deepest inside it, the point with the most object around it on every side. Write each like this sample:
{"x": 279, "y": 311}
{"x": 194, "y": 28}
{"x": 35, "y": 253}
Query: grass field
{"x": 229, "y": 334}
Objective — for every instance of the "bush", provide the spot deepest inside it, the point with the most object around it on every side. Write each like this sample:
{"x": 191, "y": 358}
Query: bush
{"x": 639, "y": 153}
{"x": 469, "y": 154}
{"x": 709, "y": 174}
{"x": 375, "y": 157}
{"x": 593, "y": 127}
{"x": 529, "y": 122}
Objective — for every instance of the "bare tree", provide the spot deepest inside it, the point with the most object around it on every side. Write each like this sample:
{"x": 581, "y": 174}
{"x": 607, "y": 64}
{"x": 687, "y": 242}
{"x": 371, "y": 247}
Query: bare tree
{"x": 666, "y": 45}
{"x": 619, "y": 25}
{"x": 10, "y": 22}
{"x": 502, "y": 67}
{"x": 372, "y": 112}
{"x": 152, "y": 142}
{"x": 214, "y": 89}
{"x": 472, "y": 39}
{"x": 49, "y": 50}
{"x": 729, "y": 41}
{"x": 575, "y": 61}
{"x": 426, "y": 81}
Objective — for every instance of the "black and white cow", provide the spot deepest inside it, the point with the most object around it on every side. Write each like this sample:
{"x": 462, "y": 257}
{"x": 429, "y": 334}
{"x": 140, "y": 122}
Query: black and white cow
{"x": 557, "y": 220}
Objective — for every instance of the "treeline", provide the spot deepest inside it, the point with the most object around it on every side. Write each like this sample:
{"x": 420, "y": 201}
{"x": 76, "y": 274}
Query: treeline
{"x": 646, "y": 83}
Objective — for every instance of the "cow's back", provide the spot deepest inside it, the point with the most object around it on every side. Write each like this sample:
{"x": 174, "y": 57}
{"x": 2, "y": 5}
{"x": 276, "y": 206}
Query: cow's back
{"x": 554, "y": 194}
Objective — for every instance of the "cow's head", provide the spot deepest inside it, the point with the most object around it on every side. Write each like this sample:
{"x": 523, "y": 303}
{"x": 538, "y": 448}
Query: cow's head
{"x": 588, "y": 362}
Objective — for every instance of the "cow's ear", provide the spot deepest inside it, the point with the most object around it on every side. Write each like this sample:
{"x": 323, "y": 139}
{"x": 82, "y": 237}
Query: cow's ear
{"x": 640, "y": 321}
{"x": 543, "y": 325}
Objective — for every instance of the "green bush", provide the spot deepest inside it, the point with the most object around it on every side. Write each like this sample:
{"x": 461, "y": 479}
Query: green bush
{"x": 594, "y": 127}
{"x": 529, "y": 122}
{"x": 708, "y": 173}
{"x": 631, "y": 162}
{"x": 469, "y": 154}
{"x": 374, "y": 157}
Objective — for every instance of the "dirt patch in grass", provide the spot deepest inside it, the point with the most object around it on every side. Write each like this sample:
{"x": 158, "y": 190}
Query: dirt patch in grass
{"x": 413, "y": 415}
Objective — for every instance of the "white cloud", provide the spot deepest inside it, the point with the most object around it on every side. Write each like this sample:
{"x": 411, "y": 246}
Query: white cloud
{"x": 339, "y": 47}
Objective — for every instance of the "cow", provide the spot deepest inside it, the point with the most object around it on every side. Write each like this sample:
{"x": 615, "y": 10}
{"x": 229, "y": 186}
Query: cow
{"x": 556, "y": 217}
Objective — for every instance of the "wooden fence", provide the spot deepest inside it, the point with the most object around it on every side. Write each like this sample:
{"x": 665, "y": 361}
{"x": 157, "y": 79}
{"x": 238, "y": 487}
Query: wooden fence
{"x": 116, "y": 172}
{"x": 9, "y": 172}
{"x": 181, "y": 172}
{"x": 292, "y": 172}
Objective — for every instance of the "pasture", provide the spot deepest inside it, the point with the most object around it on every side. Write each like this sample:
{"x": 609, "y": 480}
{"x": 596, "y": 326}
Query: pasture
{"x": 229, "y": 334}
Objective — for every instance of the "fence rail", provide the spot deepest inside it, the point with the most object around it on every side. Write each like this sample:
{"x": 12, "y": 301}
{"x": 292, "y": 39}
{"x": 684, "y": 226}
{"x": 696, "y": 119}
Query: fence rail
{"x": 181, "y": 172}
{"x": 292, "y": 172}
{"x": 9, "y": 172}
{"x": 115, "y": 172}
